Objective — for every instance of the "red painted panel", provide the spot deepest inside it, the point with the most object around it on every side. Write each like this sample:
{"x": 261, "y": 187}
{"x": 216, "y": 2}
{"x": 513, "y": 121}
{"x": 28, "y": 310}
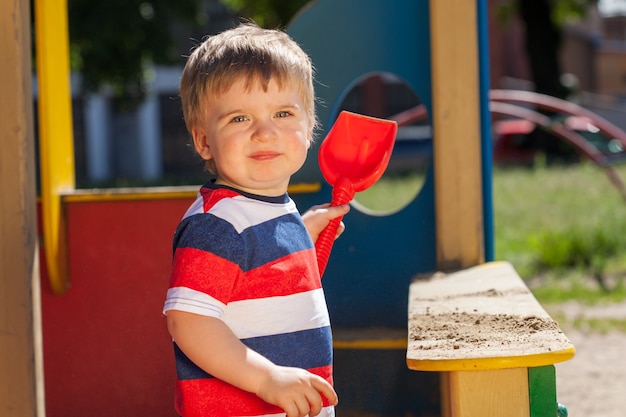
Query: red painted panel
{"x": 106, "y": 347}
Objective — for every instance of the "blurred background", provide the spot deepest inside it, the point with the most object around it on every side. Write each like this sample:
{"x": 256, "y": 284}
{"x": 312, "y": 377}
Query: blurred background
{"x": 126, "y": 59}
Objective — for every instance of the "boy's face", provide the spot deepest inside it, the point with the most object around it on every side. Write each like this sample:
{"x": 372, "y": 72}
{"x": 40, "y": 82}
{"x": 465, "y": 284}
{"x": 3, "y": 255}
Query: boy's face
{"x": 257, "y": 139}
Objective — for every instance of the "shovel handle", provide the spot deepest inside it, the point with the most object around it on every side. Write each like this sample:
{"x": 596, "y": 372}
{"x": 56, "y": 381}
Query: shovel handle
{"x": 342, "y": 194}
{"x": 324, "y": 243}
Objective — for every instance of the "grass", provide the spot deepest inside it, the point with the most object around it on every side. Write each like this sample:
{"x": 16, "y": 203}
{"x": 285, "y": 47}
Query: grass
{"x": 563, "y": 228}
{"x": 595, "y": 324}
{"x": 391, "y": 193}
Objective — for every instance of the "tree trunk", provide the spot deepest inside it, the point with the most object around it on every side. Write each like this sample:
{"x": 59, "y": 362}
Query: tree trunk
{"x": 543, "y": 42}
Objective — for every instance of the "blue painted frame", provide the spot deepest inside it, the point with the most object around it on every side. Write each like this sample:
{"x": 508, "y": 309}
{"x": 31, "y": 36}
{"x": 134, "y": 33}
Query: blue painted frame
{"x": 374, "y": 261}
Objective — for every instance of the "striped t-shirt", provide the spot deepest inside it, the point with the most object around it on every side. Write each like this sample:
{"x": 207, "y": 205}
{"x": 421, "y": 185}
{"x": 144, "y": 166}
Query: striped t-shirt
{"x": 249, "y": 261}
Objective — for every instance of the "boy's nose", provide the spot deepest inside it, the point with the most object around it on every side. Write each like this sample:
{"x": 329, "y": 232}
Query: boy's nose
{"x": 264, "y": 131}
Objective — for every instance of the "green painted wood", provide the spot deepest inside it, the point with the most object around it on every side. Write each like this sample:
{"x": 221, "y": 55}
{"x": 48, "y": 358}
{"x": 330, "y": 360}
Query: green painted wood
{"x": 542, "y": 391}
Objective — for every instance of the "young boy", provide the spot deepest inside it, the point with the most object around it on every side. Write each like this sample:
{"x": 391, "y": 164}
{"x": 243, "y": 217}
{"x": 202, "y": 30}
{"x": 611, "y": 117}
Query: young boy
{"x": 245, "y": 305}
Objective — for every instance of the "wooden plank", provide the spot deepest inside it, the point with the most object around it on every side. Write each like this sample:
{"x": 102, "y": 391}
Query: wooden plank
{"x": 158, "y": 193}
{"x": 20, "y": 335}
{"x": 456, "y": 126}
{"x": 480, "y": 318}
{"x": 542, "y": 391}
{"x": 494, "y": 393}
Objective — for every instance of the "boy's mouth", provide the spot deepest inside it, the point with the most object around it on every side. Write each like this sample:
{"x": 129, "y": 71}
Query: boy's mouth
{"x": 264, "y": 155}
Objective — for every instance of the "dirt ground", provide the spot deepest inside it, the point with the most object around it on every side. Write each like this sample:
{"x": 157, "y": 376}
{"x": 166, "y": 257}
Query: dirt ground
{"x": 593, "y": 383}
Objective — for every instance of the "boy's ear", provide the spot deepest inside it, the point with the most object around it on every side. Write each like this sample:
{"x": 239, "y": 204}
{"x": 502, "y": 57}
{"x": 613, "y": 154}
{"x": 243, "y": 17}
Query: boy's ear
{"x": 201, "y": 144}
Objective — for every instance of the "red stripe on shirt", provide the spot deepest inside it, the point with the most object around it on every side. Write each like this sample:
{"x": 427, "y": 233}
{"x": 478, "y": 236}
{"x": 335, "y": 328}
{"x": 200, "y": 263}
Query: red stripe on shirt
{"x": 210, "y": 196}
{"x": 205, "y": 272}
{"x": 288, "y": 275}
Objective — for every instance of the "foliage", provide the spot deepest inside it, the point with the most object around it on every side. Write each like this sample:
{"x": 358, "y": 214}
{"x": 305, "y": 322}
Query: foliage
{"x": 112, "y": 41}
{"x": 596, "y": 324}
{"x": 266, "y": 13}
{"x": 577, "y": 286}
{"x": 562, "y": 229}
{"x": 543, "y": 20}
{"x": 391, "y": 193}
{"x": 576, "y": 248}
{"x": 571, "y": 9}
{"x": 562, "y": 10}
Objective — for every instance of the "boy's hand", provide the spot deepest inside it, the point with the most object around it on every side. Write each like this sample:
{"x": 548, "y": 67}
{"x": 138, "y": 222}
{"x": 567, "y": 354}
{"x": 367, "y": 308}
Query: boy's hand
{"x": 317, "y": 217}
{"x": 297, "y": 391}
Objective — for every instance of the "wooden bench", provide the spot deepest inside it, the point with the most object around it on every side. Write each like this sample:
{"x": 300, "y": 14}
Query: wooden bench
{"x": 492, "y": 342}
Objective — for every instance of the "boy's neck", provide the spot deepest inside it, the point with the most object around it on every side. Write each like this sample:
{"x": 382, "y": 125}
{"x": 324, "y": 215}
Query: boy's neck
{"x": 245, "y": 192}
{"x": 260, "y": 192}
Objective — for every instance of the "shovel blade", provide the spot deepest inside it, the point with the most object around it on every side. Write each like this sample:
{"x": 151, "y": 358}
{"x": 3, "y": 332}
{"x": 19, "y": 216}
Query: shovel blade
{"x": 357, "y": 148}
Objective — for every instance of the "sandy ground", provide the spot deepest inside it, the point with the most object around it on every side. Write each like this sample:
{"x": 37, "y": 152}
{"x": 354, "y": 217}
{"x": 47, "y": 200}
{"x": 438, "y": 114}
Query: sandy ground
{"x": 593, "y": 383}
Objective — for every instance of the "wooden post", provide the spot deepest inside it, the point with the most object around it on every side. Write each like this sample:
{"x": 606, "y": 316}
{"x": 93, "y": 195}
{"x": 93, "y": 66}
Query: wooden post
{"x": 496, "y": 393}
{"x": 21, "y": 381}
{"x": 456, "y": 126}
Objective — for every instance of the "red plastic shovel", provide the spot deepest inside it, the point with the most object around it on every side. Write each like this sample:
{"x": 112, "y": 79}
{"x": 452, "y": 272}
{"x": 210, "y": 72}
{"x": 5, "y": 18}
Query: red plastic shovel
{"x": 352, "y": 157}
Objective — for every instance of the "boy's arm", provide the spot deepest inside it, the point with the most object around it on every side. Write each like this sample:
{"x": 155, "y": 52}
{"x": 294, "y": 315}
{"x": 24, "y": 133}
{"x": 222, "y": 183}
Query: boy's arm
{"x": 211, "y": 345}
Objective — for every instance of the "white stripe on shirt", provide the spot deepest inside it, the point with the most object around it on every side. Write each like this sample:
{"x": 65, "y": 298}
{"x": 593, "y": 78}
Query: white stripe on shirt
{"x": 275, "y": 315}
{"x": 271, "y": 315}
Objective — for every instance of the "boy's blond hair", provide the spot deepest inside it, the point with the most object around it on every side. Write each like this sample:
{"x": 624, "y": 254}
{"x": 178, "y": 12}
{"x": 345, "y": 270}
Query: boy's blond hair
{"x": 249, "y": 52}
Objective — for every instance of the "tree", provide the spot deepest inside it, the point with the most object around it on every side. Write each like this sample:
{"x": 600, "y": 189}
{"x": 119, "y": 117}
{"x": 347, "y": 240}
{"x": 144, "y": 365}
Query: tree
{"x": 112, "y": 42}
{"x": 543, "y": 21}
{"x": 267, "y": 13}
{"x": 543, "y": 41}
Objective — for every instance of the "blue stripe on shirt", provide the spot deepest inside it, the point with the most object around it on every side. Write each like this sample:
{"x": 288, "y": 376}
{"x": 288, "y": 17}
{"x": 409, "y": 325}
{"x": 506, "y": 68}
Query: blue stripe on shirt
{"x": 262, "y": 243}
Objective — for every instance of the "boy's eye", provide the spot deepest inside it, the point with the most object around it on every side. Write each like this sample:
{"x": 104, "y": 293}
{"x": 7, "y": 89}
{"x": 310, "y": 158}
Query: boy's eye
{"x": 283, "y": 114}
{"x": 239, "y": 119}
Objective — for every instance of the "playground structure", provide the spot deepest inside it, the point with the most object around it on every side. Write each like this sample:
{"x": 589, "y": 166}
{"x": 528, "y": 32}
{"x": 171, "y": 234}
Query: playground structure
{"x": 103, "y": 349}
{"x": 568, "y": 122}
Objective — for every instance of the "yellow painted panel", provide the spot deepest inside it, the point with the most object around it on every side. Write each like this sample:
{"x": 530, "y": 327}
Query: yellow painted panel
{"x": 456, "y": 126}
{"x": 55, "y": 131}
{"x": 492, "y": 363}
{"x": 158, "y": 193}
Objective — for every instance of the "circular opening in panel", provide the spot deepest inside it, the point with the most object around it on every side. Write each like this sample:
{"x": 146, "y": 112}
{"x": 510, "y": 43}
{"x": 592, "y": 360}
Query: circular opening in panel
{"x": 386, "y": 96}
